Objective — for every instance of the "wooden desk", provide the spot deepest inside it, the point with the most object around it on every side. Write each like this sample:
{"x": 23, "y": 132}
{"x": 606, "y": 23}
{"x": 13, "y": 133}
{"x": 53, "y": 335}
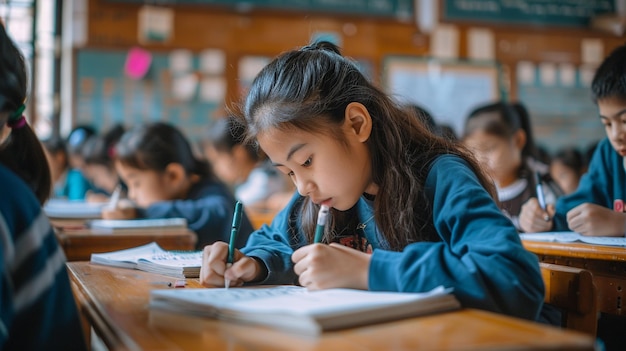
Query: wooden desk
{"x": 79, "y": 244}
{"x": 606, "y": 263}
{"x": 115, "y": 301}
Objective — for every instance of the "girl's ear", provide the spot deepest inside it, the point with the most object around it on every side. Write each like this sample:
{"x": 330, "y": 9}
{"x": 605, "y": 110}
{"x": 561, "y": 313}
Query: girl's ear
{"x": 519, "y": 139}
{"x": 174, "y": 173}
{"x": 358, "y": 121}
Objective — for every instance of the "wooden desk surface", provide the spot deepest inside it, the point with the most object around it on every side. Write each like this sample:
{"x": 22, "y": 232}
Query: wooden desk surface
{"x": 79, "y": 244}
{"x": 115, "y": 301}
{"x": 577, "y": 250}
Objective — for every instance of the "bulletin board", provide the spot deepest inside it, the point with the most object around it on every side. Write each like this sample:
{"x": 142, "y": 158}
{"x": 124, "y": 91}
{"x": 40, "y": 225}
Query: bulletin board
{"x": 104, "y": 96}
{"x": 561, "y": 110}
{"x": 449, "y": 90}
{"x": 568, "y": 13}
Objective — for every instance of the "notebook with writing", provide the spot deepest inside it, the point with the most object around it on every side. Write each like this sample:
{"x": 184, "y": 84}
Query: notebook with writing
{"x": 295, "y": 309}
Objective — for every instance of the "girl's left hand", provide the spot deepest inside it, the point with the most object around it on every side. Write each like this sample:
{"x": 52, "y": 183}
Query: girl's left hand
{"x": 595, "y": 220}
{"x": 321, "y": 266}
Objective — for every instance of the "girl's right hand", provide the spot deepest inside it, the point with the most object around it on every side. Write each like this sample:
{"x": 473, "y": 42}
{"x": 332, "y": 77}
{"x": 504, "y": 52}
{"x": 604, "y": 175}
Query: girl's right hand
{"x": 533, "y": 218}
{"x": 213, "y": 272}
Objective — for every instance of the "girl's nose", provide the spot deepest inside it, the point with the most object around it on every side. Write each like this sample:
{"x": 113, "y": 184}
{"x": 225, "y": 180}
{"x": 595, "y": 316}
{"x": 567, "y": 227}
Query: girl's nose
{"x": 304, "y": 186}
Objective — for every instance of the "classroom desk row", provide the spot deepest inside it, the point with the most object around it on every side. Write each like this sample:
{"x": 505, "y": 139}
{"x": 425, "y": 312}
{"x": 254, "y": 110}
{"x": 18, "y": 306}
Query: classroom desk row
{"x": 79, "y": 242}
{"x": 114, "y": 302}
{"x": 606, "y": 263}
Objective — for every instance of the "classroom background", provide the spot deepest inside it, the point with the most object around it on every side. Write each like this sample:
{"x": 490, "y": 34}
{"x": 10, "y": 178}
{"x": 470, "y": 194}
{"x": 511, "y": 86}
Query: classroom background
{"x": 103, "y": 62}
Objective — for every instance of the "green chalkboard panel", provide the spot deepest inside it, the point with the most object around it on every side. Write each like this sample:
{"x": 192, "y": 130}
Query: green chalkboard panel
{"x": 403, "y": 9}
{"x": 572, "y": 13}
{"x": 105, "y": 96}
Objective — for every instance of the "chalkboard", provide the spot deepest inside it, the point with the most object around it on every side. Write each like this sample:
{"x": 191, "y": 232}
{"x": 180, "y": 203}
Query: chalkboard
{"x": 572, "y": 13}
{"x": 105, "y": 96}
{"x": 449, "y": 90}
{"x": 402, "y": 9}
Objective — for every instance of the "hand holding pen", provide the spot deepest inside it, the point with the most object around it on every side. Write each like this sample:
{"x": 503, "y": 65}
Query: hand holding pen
{"x": 233, "y": 239}
{"x": 541, "y": 196}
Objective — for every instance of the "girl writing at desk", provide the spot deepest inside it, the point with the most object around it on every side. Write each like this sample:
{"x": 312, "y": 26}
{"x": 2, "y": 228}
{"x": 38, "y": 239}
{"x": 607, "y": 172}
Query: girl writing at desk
{"x": 166, "y": 180}
{"x": 409, "y": 211}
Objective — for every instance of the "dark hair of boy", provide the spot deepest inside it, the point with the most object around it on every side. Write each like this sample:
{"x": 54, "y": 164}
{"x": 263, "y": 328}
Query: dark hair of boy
{"x": 154, "y": 146}
{"x": 610, "y": 78}
{"x": 22, "y": 151}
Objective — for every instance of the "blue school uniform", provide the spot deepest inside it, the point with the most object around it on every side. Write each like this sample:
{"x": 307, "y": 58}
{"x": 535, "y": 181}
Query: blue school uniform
{"x": 477, "y": 250}
{"x": 73, "y": 186}
{"x": 209, "y": 209}
{"x": 37, "y": 308}
{"x": 603, "y": 184}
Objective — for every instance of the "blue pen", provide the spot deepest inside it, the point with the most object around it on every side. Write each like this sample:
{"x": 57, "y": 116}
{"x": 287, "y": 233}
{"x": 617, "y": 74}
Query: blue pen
{"x": 540, "y": 195}
{"x": 233, "y": 238}
{"x": 321, "y": 223}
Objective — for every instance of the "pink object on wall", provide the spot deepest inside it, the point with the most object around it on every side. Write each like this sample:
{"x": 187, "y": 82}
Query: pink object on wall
{"x": 137, "y": 63}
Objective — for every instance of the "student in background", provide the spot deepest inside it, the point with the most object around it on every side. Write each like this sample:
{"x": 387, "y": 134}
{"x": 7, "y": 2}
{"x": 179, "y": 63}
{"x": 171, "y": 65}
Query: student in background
{"x": 494, "y": 133}
{"x": 596, "y": 208}
{"x": 566, "y": 168}
{"x": 98, "y": 154}
{"x": 166, "y": 180}
{"x": 240, "y": 165}
{"x": 67, "y": 183}
{"x": 37, "y": 308}
{"x": 442, "y": 130}
{"x": 408, "y": 211}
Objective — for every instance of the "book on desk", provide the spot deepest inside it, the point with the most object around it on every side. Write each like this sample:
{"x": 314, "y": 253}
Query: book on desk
{"x": 66, "y": 209}
{"x": 126, "y": 224}
{"x": 295, "y": 309}
{"x": 152, "y": 258}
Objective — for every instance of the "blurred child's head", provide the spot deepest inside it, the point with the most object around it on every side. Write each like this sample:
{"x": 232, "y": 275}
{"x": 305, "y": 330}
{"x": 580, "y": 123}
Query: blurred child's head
{"x": 56, "y": 153}
{"x": 98, "y": 154}
{"x": 157, "y": 164}
{"x": 231, "y": 157}
{"x": 566, "y": 168}
{"x": 20, "y": 149}
{"x": 609, "y": 92}
{"x": 75, "y": 142}
{"x": 495, "y": 135}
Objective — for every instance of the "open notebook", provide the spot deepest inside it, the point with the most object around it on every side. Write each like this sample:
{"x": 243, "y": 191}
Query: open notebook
{"x": 573, "y": 237}
{"x": 295, "y": 309}
{"x": 152, "y": 258}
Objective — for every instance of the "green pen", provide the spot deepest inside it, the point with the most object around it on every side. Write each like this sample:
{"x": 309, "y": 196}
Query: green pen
{"x": 321, "y": 223}
{"x": 233, "y": 238}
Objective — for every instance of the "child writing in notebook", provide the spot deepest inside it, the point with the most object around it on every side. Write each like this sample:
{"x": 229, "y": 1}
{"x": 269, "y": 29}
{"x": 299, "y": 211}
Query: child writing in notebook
{"x": 496, "y": 135}
{"x": 409, "y": 211}
{"x": 166, "y": 180}
{"x": 37, "y": 308}
{"x": 596, "y": 208}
